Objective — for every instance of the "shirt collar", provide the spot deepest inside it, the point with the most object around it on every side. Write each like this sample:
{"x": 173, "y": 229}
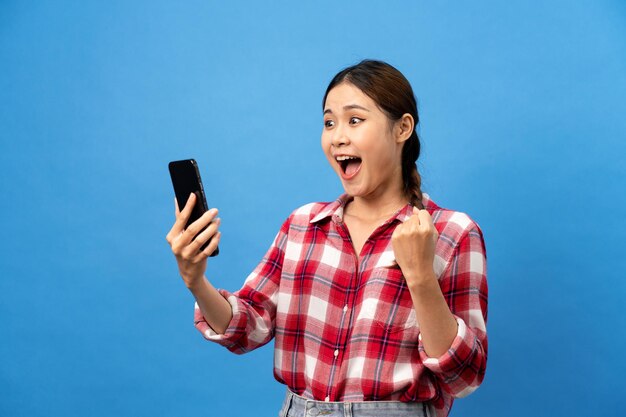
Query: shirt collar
{"x": 335, "y": 209}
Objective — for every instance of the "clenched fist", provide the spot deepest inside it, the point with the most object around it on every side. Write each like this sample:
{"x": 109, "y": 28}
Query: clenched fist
{"x": 413, "y": 244}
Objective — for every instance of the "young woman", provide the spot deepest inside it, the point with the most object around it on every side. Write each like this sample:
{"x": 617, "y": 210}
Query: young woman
{"x": 377, "y": 301}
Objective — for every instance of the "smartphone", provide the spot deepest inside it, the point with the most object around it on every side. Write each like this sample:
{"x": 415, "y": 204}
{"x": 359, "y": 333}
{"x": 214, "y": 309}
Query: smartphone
{"x": 186, "y": 180}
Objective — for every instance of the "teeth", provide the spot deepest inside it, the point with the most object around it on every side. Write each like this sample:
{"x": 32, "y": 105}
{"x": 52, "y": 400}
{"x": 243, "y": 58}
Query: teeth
{"x": 345, "y": 157}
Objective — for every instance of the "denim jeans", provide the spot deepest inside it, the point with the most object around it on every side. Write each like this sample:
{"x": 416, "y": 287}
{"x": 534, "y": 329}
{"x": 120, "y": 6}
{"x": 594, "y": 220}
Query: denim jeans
{"x": 297, "y": 406}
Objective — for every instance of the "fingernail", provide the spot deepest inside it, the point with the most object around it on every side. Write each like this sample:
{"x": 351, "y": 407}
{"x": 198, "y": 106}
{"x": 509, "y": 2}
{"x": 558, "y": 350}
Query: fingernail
{"x": 213, "y": 211}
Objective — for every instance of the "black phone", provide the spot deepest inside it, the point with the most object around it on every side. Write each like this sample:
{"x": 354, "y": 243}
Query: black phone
{"x": 186, "y": 180}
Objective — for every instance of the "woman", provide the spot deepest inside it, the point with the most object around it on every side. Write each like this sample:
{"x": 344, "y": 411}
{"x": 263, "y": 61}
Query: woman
{"x": 378, "y": 300}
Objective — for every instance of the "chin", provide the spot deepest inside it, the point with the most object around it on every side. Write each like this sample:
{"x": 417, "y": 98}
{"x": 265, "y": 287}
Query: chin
{"x": 354, "y": 191}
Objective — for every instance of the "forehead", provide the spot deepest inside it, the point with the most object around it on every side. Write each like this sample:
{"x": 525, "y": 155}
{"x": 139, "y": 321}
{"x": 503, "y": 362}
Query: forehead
{"x": 346, "y": 94}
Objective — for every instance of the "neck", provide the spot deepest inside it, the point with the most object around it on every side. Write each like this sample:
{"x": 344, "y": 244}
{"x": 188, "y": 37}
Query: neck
{"x": 374, "y": 207}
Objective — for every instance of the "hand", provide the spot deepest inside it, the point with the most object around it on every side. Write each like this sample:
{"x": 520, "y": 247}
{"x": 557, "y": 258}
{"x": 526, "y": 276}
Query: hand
{"x": 413, "y": 245}
{"x": 187, "y": 243}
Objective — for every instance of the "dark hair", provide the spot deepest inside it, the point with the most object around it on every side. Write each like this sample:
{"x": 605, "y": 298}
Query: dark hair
{"x": 394, "y": 96}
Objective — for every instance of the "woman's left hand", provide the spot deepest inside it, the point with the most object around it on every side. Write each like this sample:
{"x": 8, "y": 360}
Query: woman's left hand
{"x": 413, "y": 244}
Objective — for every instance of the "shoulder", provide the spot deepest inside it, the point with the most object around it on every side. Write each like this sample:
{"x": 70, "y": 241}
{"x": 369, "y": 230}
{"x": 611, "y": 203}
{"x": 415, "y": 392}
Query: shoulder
{"x": 459, "y": 235}
{"x": 311, "y": 212}
{"x": 302, "y": 220}
{"x": 452, "y": 225}
{"x": 310, "y": 209}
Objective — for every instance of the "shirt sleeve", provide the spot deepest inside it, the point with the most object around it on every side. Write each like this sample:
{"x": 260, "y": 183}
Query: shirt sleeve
{"x": 254, "y": 305}
{"x": 461, "y": 369}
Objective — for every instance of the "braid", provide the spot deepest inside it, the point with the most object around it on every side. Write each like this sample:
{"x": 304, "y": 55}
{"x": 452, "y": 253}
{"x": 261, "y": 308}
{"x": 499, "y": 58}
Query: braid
{"x": 411, "y": 178}
{"x": 415, "y": 190}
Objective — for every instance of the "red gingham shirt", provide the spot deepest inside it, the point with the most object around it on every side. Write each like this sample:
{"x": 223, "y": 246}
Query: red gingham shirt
{"x": 344, "y": 326}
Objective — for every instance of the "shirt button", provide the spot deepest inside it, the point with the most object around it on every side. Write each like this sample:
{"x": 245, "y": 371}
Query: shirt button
{"x": 336, "y": 352}
{"x": 327, "y": 399}
{"x": 345, "y": 308}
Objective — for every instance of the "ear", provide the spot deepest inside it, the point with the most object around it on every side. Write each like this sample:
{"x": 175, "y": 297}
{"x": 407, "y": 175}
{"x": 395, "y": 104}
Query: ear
{"x": 404, "y": 127}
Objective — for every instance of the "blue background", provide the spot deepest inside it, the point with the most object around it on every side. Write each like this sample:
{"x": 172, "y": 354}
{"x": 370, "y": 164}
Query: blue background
{"x": 522, "y": 105}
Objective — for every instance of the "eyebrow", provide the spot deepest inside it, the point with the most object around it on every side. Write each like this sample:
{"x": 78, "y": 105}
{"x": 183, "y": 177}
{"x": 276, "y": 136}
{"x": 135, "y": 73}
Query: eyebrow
{"x": 348, "y": 107}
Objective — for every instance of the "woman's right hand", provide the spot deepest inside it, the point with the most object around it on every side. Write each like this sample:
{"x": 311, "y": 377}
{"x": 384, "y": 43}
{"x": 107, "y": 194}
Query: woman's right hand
{"x": 186, "y": 243}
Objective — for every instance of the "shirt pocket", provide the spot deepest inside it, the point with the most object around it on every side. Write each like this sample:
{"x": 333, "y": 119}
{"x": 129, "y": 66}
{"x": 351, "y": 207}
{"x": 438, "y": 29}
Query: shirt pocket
{"x": 387, "y": 301}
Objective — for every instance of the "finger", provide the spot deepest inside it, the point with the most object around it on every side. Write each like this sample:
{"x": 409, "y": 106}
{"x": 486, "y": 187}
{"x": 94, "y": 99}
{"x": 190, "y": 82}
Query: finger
{"x": 414, "y": 219}
{"x": 411, "y": 224}
{"x": 424, "y": 217}
{"x": 184, "y": 237}
{"x": 191, "y": 201}
{"x": 203, "y": 237}
{"x": 183, "y": 216}
{"x": 206, "y": 252}
{"x": 426, "y": 221}
{"x": 198, "y": 226}
{"x": 174, "y": 230}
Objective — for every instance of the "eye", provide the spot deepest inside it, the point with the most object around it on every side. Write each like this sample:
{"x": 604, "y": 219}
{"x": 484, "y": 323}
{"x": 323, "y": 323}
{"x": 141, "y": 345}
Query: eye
{"x": 329, "y": 123}
{"x": 355, "y": 120}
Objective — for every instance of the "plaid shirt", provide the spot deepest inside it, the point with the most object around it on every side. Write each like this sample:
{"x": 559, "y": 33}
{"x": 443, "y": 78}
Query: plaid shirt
{"x": 344, "y": 326}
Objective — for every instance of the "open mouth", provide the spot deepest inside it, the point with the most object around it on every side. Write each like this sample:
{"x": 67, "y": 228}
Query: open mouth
{"x": 349, "y": 164}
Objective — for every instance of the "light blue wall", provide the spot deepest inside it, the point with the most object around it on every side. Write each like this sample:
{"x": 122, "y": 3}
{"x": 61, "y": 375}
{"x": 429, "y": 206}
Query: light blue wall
{"x": 523, "y": 127}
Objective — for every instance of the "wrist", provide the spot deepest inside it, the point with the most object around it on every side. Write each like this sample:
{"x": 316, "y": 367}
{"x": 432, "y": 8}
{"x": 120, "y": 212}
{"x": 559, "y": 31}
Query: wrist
{"x": 195, "y": 284}
{"x": 421, "y": 280}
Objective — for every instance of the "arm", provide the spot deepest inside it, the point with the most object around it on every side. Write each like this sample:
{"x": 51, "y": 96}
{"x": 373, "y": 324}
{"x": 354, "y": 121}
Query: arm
{"x": 438, "y": 327}
{"x": 452, "y": 311}
{"x": 414, "y": 244}
{"x": 187, "y": 246}
{"x": 241, "y": 321}
{"x": 464, "y": 285}
{"x": 253, "y": 307}
{"x": 215, "y": 309}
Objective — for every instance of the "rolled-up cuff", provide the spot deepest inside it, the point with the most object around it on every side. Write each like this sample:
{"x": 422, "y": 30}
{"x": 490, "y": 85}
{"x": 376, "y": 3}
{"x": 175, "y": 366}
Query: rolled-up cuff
{"x": 231, "y": 333}
{"x": 452, "y": 361}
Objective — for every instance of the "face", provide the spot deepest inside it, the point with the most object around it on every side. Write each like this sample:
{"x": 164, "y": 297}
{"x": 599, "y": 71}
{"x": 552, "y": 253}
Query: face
{"x": 361, "y": 143}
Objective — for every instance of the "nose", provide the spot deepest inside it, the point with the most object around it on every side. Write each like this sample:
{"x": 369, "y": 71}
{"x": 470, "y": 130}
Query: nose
{"x": 339, "y": 137}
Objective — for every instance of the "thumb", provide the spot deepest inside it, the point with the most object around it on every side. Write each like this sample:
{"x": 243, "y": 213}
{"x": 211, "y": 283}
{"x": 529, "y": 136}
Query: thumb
{"x": 415, "y": 210}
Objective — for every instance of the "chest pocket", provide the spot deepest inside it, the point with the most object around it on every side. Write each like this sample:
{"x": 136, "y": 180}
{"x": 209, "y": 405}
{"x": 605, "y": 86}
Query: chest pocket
{"x": 387, "y": 301}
